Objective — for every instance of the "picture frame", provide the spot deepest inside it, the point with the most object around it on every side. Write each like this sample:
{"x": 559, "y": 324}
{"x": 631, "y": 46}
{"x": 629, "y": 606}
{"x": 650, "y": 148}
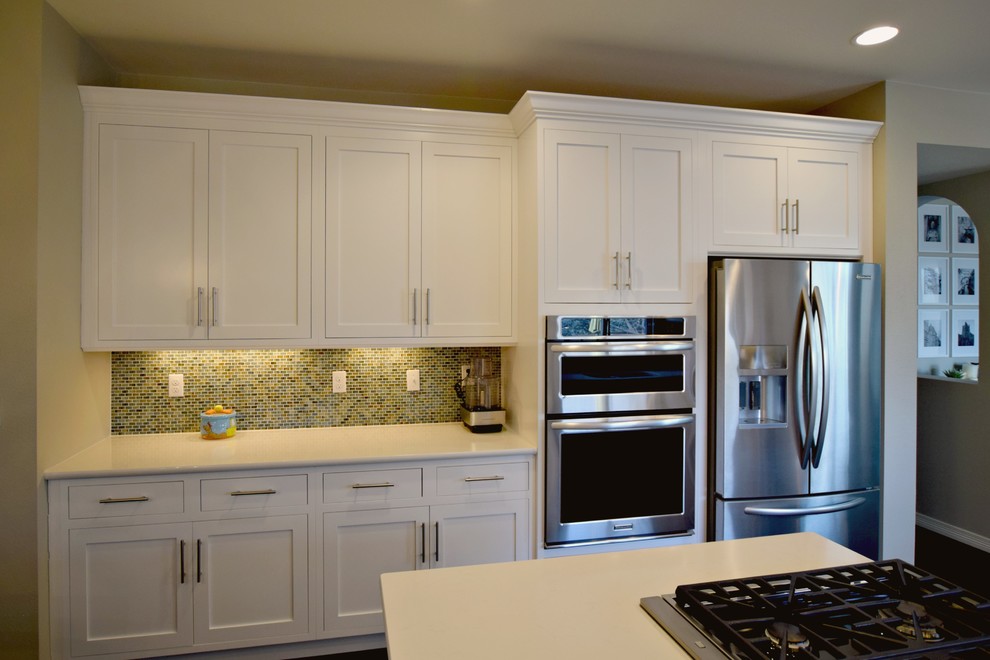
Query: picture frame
{"x": 933, "y": 228}
{"x": 933, "y": 329}
{"x": 965, "y": 332}
{"x": 965, "y": 281}
{"x": 933, "y": 281}
{"x": 964, "y": 235}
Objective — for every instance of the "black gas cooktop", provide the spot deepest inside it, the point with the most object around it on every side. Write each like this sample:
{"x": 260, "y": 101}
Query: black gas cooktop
{"x": 887, "y": 609}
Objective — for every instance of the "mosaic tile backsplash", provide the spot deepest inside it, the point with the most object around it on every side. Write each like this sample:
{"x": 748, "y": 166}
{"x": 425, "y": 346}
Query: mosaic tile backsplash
{"x": 288, "y": 388}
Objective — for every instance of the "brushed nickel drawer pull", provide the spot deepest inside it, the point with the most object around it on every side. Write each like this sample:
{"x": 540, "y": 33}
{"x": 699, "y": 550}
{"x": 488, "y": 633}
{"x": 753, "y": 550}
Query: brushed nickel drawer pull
{"x": 494, "y": 477}
{"x": 119, "y": 500}
{"x": 384, "y": 484}
{"x": 266, "y": 491}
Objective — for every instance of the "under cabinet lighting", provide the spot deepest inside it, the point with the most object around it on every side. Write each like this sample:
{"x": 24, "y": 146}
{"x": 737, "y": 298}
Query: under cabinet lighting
{"x": 876, "y": 35}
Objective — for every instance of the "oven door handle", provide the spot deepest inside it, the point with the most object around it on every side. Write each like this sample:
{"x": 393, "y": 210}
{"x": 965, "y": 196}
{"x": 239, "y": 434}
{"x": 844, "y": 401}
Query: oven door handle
{"x": 650, "y": 422}
{"x": 623, "y": 347}
{"x": 811, "y": 511}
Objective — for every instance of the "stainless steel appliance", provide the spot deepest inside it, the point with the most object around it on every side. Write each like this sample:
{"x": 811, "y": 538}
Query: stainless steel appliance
{"x": 885, "y": 609}
{"x": 620, "y": 428}
{"x": 794, "y": 439}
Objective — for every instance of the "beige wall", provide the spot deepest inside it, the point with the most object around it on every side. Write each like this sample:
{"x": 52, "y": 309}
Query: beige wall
{"x": 20, "y": 69}
{"x": 953, "y": 452}
{"x": 54, "y": 400}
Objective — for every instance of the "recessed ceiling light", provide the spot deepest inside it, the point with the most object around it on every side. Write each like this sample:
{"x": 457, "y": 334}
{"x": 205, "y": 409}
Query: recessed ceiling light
{"x": 876, "y": 35}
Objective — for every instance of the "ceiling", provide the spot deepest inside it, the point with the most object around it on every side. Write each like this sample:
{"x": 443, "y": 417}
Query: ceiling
{"x": 786, "y": 55}
{"x": 791, "y": 55}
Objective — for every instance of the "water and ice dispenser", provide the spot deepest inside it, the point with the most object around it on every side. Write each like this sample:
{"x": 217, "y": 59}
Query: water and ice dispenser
{"x": 762, "y": 385}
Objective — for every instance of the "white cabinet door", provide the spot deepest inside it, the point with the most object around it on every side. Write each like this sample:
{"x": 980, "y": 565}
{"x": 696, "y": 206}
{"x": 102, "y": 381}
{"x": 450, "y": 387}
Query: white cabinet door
{"x": 823, "y": 185}
{"x": 260, "y": 242}
{"x": 785, "y": 197}
{"x": 358, "y": 546}
{"x": 656, "y": 219}
{"x": 252, "y": 578}
{"x": 373, "y": 237}
{"x": 467, "y": 240}
{"x": 151, "y": 232}
{"x": 479, "y": 532}
{"x": 750, "y": 203}
{"x": 130, "y": 588}
{"x": 582, "y": 242}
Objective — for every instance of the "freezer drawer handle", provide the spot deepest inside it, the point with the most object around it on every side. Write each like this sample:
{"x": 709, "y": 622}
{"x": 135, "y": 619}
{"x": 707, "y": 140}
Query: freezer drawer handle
{"x": 813, "y": 511}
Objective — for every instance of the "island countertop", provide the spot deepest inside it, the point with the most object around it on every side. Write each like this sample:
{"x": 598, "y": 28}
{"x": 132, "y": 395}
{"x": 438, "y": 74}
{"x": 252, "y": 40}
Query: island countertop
{"x": 581, "y": 607}
{"x": 126, "y": 455}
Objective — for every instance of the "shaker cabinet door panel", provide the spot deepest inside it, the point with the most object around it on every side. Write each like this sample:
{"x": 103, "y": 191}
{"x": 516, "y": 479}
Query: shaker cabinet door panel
{"x": 151, "y": 232}
{"x": 260, "y": 243}
{"x": 750, "y": 183}
{"x": 656, "y": 219}
{"x": 373, "y": 237}
{"x": 130, "y": 588}
{"x": 467, "y": 240}
{"x": 252, "y": 578}
{"x": 480, "y": 533}
{"x": 825, "y": 186}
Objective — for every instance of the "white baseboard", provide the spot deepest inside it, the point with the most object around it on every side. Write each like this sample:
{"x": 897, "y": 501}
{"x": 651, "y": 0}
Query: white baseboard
{"x": 953, "y": 532}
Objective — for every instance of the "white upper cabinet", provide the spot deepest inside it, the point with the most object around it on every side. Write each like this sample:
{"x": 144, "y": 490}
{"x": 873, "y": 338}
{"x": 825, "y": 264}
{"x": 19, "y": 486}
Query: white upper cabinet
{"x": 260, "y": 235}
{"x": 419, "y": 239}
{"x": 218, "y": 221}
{"x": 774, "y": 196}
{"x": 618, "y": 211}
{"x": 374, "y": 223}
{"x": 150, "y": 236}
{"x": 200, "y": 235}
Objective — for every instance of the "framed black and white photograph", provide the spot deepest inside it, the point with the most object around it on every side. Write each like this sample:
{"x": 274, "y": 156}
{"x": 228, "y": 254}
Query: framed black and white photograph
{"x": 933, "y": 228}
{"x": 965, "y": 281}
{"x": 965, "y": 332}
{"x": 933, "y": 281}
{"x": 933, "y": 333}
{"x": 963, "y": 232}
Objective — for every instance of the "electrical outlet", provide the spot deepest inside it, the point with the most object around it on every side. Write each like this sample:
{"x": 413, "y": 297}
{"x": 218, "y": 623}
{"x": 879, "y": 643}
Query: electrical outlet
{"x": 339, "y": 381}
{"x": 176, "y": 385}
{"x": 412, "y": 380}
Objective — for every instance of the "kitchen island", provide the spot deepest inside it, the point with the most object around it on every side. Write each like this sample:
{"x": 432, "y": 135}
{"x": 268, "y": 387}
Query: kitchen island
{"x": 574, "y": 607}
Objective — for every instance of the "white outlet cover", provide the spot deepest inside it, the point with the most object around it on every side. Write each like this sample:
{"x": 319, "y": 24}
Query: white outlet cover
{"x": 339, "y": 380}
{"x": 176, "y": 385}
{"x": 412, "y": 380}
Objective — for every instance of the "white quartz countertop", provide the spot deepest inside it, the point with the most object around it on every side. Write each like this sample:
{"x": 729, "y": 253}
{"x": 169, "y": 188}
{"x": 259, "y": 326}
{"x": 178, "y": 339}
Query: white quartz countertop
{"x": 126, "y": 455}
{"x": 580, "y": 607}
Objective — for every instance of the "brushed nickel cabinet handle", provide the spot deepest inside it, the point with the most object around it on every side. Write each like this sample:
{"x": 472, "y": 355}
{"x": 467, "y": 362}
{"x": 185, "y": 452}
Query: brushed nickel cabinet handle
{"x": 199, "y": 305}
{"x": 783, "y": 215}
{"x": 797, "y": 216}
{"x": 384, "y": 484}
{"x": 494, "y": 477}
{"x": 426, "y": 314}
{"x": 120, "y": 500}
{"x": 266, "y": 491}
{"x": 629, "y": 270}
{"x": 415, "y": 291}
{"x": 615, "y": 258}
{"x": 216, "y": 306}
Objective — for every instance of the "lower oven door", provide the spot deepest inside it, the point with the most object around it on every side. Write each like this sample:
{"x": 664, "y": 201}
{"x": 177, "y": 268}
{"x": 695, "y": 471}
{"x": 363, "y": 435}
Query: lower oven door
{"x": 617, "y": 478}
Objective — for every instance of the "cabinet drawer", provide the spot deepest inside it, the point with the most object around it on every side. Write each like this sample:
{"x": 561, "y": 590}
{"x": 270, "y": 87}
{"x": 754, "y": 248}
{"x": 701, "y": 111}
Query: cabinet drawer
{"x": 253, "y": 492}
{"x": 372, "y": 485}
{"x": 487, "y": 478}
{"x": 125, "y": 499}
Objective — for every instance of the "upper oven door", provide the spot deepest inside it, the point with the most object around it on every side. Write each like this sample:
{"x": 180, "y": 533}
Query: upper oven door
{"x": 619, "y": 376}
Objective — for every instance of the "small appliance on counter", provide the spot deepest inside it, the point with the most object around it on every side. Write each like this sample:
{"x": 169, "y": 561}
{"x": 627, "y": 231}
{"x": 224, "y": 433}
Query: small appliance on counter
{"x": 217, "y": 423}
{"x": 480, "y": 393}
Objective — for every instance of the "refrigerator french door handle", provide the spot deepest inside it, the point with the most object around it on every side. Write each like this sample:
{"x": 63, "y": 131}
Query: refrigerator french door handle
{"x": 802, "y": 397}
{"x": 826, "y": 364}
{"x": 810, "y": 511}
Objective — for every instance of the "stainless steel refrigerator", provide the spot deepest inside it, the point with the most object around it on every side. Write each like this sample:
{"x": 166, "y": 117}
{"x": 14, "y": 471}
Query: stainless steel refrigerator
{"x": 795, "y": 400}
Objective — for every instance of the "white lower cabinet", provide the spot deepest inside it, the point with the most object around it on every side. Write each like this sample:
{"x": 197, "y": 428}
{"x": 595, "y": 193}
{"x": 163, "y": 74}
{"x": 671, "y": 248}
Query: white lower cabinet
{"x": 185, "y": 563}
{"x": 358, "y": 546}
{"x": 144, "y": 587}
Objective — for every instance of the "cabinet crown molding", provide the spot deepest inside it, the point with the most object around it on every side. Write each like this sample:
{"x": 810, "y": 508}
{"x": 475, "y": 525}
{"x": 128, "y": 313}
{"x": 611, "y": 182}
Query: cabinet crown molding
{"x": 571, "y": 107}
{"x": 153, "y": 102}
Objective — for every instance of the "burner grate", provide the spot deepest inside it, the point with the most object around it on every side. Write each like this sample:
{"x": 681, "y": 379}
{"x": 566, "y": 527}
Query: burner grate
{"x": 887, "y": 609}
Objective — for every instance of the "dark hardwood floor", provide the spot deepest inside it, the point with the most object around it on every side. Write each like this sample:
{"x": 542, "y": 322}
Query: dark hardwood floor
{"x": 962, "y": 564}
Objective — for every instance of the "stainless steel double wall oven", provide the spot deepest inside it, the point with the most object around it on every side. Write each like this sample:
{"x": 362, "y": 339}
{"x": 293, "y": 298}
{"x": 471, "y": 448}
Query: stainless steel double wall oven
{"x": 620, "y": 428}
